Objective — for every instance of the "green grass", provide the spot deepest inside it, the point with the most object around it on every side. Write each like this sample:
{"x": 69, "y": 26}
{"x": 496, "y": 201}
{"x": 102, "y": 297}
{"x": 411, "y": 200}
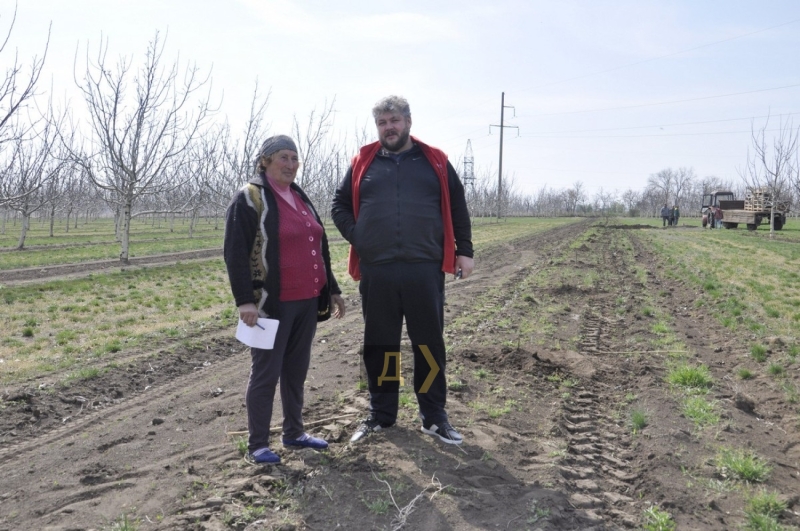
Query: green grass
{"x": 754, "y": 296}
{"x": 742, "y": 465}
{"x": 124, "y": 523}
{"x": 692, "y": 378}
{"x": 657, "y": 519}
{"x": 379, "y": 506}
{"x": 241, "y": 445}
{"x": 96, "y": 241}
{"x": 776, "y": 369}
{"x": 101, "y": 315}
{"x": 481, "y": 374}
{"x": 766, "y": 503}
{"x": 763, "y": 509}
{"x": 700, "y": 411}
{"x": 638, "y": 420}
{"x": 456, "y": 385}
{"x": 759, "y": 353}
{"x": 744, "y": 373}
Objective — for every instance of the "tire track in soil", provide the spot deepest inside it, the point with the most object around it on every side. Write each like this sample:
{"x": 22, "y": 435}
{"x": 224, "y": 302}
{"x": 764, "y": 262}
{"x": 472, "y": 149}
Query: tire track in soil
{"x": 597, "y": 467}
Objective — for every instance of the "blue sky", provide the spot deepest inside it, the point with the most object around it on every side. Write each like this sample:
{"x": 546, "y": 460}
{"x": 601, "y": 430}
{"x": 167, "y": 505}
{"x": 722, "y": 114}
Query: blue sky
{"x": 603, "y": 92}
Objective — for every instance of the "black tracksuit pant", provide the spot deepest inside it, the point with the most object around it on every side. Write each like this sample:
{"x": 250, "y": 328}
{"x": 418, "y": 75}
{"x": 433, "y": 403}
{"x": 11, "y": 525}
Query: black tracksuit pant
{"x": 390, "y": 292}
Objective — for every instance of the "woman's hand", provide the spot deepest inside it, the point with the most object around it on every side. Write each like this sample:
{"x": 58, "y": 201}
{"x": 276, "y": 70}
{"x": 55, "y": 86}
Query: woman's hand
{"x": 248, "y": 313}
{"x": 339, "y": 306}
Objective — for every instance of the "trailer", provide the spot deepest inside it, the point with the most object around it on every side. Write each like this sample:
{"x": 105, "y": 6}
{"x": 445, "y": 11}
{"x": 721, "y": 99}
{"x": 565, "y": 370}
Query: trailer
{"x": 755, "y": 209}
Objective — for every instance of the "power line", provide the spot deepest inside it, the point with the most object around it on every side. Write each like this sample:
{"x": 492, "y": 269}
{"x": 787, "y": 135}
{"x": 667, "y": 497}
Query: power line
{"x": 657, "y": 135}
{"x": 669, "y": 102}
{"x": 666, "y": 125}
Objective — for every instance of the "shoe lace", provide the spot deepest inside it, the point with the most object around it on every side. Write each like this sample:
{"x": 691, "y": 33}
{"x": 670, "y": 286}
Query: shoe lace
{"x": 447, "y": 428}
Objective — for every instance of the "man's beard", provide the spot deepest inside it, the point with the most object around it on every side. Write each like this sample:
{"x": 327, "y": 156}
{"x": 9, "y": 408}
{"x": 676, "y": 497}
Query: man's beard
{"x": 397, "y": 145}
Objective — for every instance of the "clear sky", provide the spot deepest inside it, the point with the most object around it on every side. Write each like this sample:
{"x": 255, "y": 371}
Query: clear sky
{"x": 604, "y": 92}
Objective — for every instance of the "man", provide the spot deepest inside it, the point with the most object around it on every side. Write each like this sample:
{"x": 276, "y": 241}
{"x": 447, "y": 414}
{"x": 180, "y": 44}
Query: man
{"x": 401, "y": 206}
{"x": 665, "y": 213}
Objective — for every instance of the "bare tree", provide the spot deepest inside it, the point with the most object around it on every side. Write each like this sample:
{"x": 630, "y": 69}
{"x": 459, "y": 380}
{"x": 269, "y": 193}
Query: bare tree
{"x": 681, "y": 182}
{"x": 17, "y": 87}
{"x": 662, "y": 182}
{"x": 631, "y": 198}
{"x": 574, "y": 196}
{"x": 234, "y": 157}
{"x": 30, "y": 178}
{"x": 772, "y": 167}
{"x": 322, "y": 164}
{"x": 604, "y": 203}
{"x": 139, "y": 136}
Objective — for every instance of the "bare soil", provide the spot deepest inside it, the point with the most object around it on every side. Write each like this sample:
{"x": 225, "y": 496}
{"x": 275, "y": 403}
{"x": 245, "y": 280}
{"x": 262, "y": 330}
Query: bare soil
{"x": 150, "y": 438}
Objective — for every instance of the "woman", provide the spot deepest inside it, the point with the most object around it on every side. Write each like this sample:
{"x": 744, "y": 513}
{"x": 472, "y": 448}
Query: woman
{"x": 276, "y": 253}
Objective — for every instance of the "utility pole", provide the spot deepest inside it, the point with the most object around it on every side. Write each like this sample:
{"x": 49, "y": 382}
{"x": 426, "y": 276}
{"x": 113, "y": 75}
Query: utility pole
{"x": 502, "y": 126}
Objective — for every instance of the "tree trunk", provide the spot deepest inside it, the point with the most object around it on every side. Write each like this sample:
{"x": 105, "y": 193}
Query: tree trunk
{"x": 52, "y": 218}
{"x": 772, "y": 219}
{"x": 69, "y": 215}
{"x": 5, "y": 218}
{"x": 172, "y": 222}
{"x": 26, "y": 221}
{"x": 118, "y": 224}
{"x": 192, "y": 223}
{"x": 125, "y": 228}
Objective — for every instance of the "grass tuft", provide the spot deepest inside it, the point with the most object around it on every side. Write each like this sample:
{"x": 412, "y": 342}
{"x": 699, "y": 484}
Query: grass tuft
{"x": 776, "y": 369}
{"x": 759, "y": 353}
{"x": 693, "y": 378}
{"x": 742, "y": 465}
{"x": 241, "y": 445}
{"x": 765, "y": 503}
{"x": 700, "y": 411}
{"x": 656, "y": 519}
{"x": 638, "y": 420}
{"x": 744, "y": 373}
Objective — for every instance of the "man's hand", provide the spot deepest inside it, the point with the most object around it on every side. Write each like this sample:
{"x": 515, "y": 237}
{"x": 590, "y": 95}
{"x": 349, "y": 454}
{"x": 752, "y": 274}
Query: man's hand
{"x": 248, "y": 313}
{"x": 465, "y": 265}
{"x": 339, "y": 306}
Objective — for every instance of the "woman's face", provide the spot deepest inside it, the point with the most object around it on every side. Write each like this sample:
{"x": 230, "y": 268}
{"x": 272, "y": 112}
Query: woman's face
{"x": 284, "y": 165}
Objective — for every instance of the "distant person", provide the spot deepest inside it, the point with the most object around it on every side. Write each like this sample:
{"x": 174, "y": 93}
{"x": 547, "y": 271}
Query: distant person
{"x": 401, "y": 206}
{"x": 276, "y": 253}
{"x": 718, "y": 216}
{"x": 665, "y": 213}
{"x": 676, "y": 213}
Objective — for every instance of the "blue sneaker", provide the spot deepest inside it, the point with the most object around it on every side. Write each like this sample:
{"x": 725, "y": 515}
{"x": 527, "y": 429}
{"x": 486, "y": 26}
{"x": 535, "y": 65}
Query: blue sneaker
{"x": 264, "y": 456}
{"x": 306, "y": 441}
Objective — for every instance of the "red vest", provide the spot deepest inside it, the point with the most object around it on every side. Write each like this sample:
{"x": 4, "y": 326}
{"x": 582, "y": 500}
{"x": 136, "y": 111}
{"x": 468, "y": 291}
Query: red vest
{"x": 299, "y": 251}
{"x": 438, "y": 160}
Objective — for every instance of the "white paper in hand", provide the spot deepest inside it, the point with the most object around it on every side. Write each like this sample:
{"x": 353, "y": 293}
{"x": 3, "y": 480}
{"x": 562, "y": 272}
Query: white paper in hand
{"x": 259, "y": 336}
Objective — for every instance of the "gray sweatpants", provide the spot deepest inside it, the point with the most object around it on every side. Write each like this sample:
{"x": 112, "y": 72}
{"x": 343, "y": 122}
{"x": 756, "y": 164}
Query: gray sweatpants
{"x": 288, "y": 362}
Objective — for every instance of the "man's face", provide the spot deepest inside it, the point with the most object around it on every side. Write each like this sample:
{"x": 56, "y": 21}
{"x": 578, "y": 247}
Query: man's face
{"x": 394, "y": 131}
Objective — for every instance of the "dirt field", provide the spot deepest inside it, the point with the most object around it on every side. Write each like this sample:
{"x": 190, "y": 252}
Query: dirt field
{"x": 549, "y": 352}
